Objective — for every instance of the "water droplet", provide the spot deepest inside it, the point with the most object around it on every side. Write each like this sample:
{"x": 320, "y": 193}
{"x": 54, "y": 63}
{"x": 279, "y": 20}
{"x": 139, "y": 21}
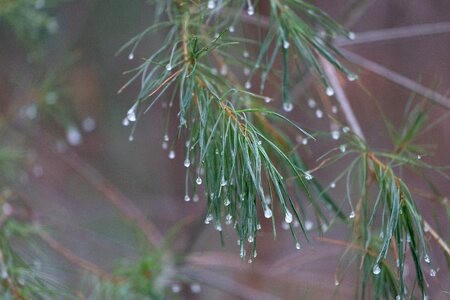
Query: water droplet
{"x": 309, "y": 225}
{"x": 187, "y": 198}
{"x": 246, "y": 71}
{"x": 286, "y": 44}
{"x": 187, "y": 162}
{"x": 88, "y": 124}
{"x": 287, "y": 106}
{"x": 352, "y": 77}
{"x": 131, "y": 114}
{"x": 343, "y": 148}
{"x": 231, "y": 28}
{"x": 250, "y": 239}
{"x": 336, "y": 282}
{"x": 125, "y": 122}
{"x": 352, "y": 215}
{"x": 311, "y": 103}
{"x": 195, "y": 198}
{"x": 319, "y": 114}
{"x": 198, "y": 180}
{"x": 196, "y": 288}
{"x": 73, "y": 136}
{"x": 248, "y": 85}
{"x": 267, "y": 99}
{"x": 166, "y": 138}
{"x": 171, "y": 154}
{"x": 131, "y": 56}
{"x": 332, "y": 185}
{"x": 419, "y": 157}
{"x": 351, "y": 35}
{"x": 31, "y": 111}
{"x": 228, "y": 219}
{"x": 308, "y": 176}
{"x": 297, "y": 246}
{"x": 176, "y": 288}
{"x": 208, "y": 219}
{"x": 268, "y": 213}
{"x": 398, "y": 297}
{"x": 211, "y": 4}
{"x": 427, "y": 259}
{"x": 258, "y": 226}
{"x": 376, "y": 269}
{"x": 246, "y": 54}
{"x": 224, "y": 70}
{"x": 218, "y": 227}
{"x": 168, "y": 67}
{"x": 345, "y": 129}
{"x": 250, "y": 9}
{"x": 329, "y": 91}
{"x": 242, "y": 254}
{"x": 223, "y": 182}
{"x": 334, "y": 109}
{"x": 335, "y": 134}
{"x": 288, "y": 217}
{"x": 305, "y": 141}
{"x": 433, "y": 273}
{"x": 131, "y": 138}
{"x": 226, "y": 202}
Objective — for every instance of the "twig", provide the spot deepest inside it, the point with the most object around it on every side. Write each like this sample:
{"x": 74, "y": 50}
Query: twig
{"x": 436, "y": 236}
{"x": 397, "y": 78}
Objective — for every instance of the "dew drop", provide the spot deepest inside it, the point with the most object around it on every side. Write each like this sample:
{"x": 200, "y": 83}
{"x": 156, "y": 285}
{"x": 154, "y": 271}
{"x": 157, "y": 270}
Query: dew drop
{"x": 171, "y": 154}
{"x": 231, "y": 28}
{"x": 165, "y": 145}
{"x": 218, "y": 227}
{"x": 352, "y": 215}
{"x": 376, "y": 269}
{"x": 334, "y": 109}
{"x": 131, "y": 114}
{"x": 345, "y": 129}
{"x": 246, "y": 54}
{"x": 250, "y": 10}
{"x": 169, "y": 67}
{"x": 335, "y": 134}
{"x": 433, "y": 273}
{"x": 208, "y": 219}
{"x": 308, "y": 225}
{"x": 419, "y": 157}
{"x": 250, "y": 239}
{"x": 131, "y": 138}
{"x": 351, "y": 35}
{"x": 224, "y": 70}
{"x": 187, "y": 162}
{"x": 352, "y": 77}
{"x": 258, "y": 226}
{"x": 176, "y": 288}
{"x": 329, "y": 91}
{"x": 166, "y": 138}
{"x": 336, "y": 282}
{"x": 223, "y": 182}
{"x": 187, "y": 198}
{"x": 288, "y": 218}
{"x": 125, "y": 122}
{"x": 198, "y": 180}
{"x": 211, "y": 4}
{"x": 398, "y": 297}
{"x": 286, "y": 44}
{"x": 311, "y": 103}
{"x": 248, "y": 85}
{"x": 333, "y": 185}
{"x": 319, "y": 114}
{"x": 427, "y": 259}
{"x": 228, "y": 219}
{"x": 305, "y": 141}
{"x": 226, "y": 202}
{"x": 88, "y": 124}
{"x": 195, "y": 198}
{"x": 268, "y": 213}
{"x": 73, "y": 136}
{"x": 246, "y": 71}
{"x": 267, "y": 99}
{"x": 343, "y": 148}
{"x": 131, "y": 56}
{"x": 297, "y": 246}
{"x": 308, "y": 176}
{"x": 196, "y": 288}
{"x": 287, "y": 106}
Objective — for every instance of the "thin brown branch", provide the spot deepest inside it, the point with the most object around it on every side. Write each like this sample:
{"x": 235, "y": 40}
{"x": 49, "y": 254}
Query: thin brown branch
{"x": 443, "y": 244}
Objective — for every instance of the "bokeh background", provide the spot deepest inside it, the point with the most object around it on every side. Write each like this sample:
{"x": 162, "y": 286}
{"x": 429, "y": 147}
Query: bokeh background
{"x": 69, "y": 186}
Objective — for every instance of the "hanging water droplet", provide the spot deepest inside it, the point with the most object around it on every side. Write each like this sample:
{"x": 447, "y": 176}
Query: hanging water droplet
{"x": 419, "y": 157}
{"x": 268, "y": 213}
{"x": 131, "y": 114}
{"x": 334, "y": 109}
{"x": 187, "y": 198}
{"x": 309, "y": 225}
{"x": 267, "y": 99}
{"x": 332, "y": 185}
{"x": 250, "y": 239}
{"x": 433, "y": 273}
{"x": 208, "y": 219}
{"x": 166, "y": 138}
{"x": 131, "y": 138}
{"x": 287, "y": 106}
{"x": 223, "y": 182}
{"x": 308, "y": 176}
{"x": 345, "y": 129}
{"x": 218, "y": 227}
{"x": 343, "y": 148}
{"x": 248, "y": 85}
{"x": 329, "y": 91}
{"x": 211, "y": 4}
{"x": 286, "y": 44}
{"x": 319, "y": 114}
{"x": 398, "y": 297}
{"x": 246, "y": 71}
{"x": 171, "y": 154}
{"x": 226, "y": 202}
{"x": 198, "y": 180}
{"x": 242, "y": 254}
{"x": 288, "y": 217}
{"x": 73, "y": 136}
{"x": 168, "y": 67}
{"x": 195, "y": 198}
{"x": 335, "y": 134}
{"x": 352, "y": 215}
{"x": 250, "y": 9}
{"x": 258, "y": 226}
{"x": 427, "y": 259}
{"x": 376, "y": 269}
{"x": 352, "y": 77}
{"x": 336, "y": 282}
{"x": 231, "y": 28}
{"x": 176, "y": 288}
{"x": 125, "y": 122}
{"x": 228, "y": 219}
{"x": 305, "y": 141}
{"x": 131, "y": 56}
{"x": 246, "y": 54}
{"x": 311, "y": 103}
{"x": 297, "y": 246}
{"x": 195, "y": 288}
{"x": 187, "y": 162}
{"x": 351, "y": 35}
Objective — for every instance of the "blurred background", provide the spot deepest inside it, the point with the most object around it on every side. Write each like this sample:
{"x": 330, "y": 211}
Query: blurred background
{"x": 84, "y": 180}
